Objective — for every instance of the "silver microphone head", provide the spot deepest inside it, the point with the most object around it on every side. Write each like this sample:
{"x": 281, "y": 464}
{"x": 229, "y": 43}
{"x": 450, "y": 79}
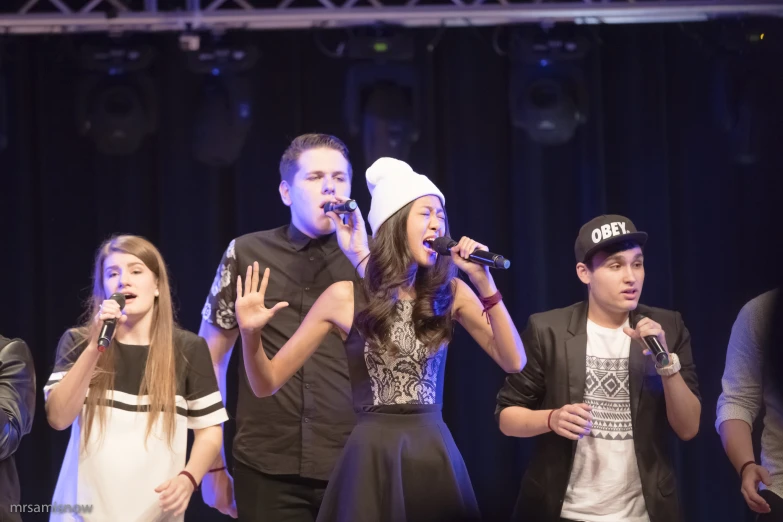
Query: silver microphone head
{"x": 341, "y": 208}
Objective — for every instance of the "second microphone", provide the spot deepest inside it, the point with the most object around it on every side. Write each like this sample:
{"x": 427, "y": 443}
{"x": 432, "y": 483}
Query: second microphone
{"x": 443, "y": 246}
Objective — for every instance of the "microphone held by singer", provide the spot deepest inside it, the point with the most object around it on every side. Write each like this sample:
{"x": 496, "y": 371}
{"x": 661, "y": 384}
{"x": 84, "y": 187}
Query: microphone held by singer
{"x": 107, "y": 330}
{"x": 443, "y": 246}
{"x": 658, "y": 351}
{"x": 345, "y": 207}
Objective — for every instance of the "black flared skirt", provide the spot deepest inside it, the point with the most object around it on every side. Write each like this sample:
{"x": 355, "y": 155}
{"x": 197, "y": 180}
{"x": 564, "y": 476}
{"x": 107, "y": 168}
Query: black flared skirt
{"x": 400, "y": 464}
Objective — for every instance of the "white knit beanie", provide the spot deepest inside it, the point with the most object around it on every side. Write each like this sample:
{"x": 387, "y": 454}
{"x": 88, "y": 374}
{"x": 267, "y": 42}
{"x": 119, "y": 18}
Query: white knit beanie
{"x": 393, "y": 184}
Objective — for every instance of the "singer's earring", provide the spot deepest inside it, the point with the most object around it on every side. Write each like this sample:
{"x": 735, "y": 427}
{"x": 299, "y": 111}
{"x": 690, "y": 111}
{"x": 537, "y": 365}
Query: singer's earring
{"x": 157, "y": 293}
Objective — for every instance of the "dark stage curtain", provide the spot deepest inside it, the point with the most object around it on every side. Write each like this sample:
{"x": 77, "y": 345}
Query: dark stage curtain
{"x": 651, "y": 150}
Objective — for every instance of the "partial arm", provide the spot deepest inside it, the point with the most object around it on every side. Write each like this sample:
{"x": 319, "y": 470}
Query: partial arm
{"x": 334, "y": 308}
{"x": 498, "y": 336}
{"x": 17, "y": 396}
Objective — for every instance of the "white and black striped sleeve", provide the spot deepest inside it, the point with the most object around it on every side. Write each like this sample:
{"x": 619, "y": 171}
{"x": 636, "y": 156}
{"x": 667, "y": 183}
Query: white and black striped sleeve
{"x": 205, "y": 404}
{"x": 71, "y": 345}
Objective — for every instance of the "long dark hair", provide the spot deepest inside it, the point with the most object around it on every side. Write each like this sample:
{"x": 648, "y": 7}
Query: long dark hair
{"x": 391, "y": 266}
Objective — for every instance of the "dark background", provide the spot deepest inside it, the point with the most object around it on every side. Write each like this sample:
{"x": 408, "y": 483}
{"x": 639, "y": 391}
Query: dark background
{"x": 653, "y": 149}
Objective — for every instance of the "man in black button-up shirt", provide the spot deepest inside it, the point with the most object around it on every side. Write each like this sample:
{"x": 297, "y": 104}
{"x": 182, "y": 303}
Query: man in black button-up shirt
{"x": 286, "y": 444}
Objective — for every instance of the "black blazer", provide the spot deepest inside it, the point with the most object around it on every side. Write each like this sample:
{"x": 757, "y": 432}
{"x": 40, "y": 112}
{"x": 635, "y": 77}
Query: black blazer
{"x": 556, "y": 346}
{"x": 17, "y": 407}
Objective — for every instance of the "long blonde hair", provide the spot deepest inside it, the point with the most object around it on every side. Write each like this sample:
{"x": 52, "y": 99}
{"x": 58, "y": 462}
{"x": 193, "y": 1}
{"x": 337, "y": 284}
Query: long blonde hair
{"x": 160, "y": 376}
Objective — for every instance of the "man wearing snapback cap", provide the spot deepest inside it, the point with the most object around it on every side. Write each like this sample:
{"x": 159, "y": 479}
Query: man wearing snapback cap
{"x": 600, "y": 404}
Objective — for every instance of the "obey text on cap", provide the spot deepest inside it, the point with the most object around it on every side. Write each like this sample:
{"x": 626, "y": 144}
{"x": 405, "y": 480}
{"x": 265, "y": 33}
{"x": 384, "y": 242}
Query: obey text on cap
{"x": 615, "y": 228}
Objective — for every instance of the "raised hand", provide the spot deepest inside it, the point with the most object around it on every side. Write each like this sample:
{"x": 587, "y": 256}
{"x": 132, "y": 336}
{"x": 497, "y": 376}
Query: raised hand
{"x": 460, "y": 253}
{"x": 249, "y": 307}
{"x": 645, "y": 328}
{"x": 110, "y": 309}
{"x": 352, "y": 235}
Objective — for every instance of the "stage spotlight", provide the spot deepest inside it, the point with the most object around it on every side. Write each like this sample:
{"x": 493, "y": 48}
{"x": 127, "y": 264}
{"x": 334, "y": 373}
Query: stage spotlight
{"x": 117, "y": 106}
{"x": 224, "y": 113}
{"x": 548, "y": 97}
{"x": 383, "y": 94}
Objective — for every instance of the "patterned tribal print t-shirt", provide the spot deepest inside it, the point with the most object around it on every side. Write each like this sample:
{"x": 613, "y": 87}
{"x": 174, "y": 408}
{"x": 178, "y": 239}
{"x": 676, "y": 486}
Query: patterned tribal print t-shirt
{"x": 605, "y": 485}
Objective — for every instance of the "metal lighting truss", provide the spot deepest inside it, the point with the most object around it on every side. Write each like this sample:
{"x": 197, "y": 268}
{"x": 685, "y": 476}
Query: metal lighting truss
{"x": 79, "y": 16}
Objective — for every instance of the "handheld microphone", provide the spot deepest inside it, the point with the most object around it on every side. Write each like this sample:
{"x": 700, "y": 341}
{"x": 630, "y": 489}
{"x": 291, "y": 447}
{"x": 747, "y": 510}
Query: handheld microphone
{"x": 341, "y": 208}
{"x": 107, "y": 330}
{"x": 442, "y": 246}
{"x": 661, "y": 357}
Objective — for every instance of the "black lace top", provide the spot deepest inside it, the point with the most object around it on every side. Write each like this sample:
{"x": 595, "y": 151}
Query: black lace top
{"x": 413, "y": 374}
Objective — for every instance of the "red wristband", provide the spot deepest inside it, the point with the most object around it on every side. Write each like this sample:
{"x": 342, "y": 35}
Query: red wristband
{"x": 742, "y": 469}
{"x": 489, "y": 302}
{"x": 216, "y": 469}
{"x": 195, "y": 486}
{"x": 548, "y": 420}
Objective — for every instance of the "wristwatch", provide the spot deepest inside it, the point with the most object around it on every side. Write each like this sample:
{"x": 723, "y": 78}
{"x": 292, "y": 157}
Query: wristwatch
{"x": 671, "y": 368}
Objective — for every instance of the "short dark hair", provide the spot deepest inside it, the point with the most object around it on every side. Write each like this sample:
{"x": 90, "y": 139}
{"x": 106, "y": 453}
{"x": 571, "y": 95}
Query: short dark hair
{"x": 611, "y": 250}
{"x": 289, "y": 163}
